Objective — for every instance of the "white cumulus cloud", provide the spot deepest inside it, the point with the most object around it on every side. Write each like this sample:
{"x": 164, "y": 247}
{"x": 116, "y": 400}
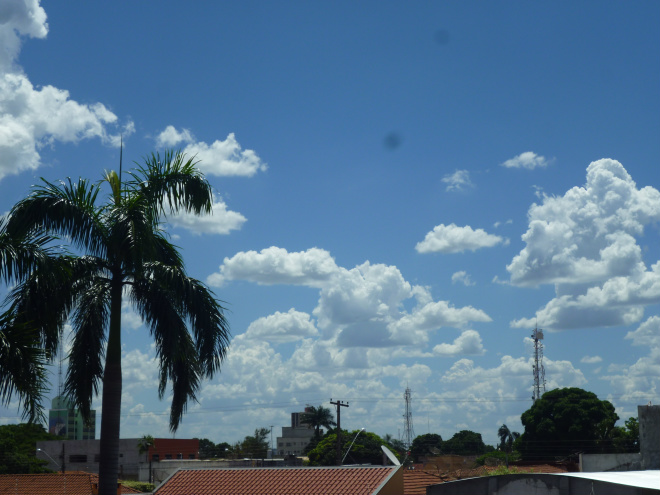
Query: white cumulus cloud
{"x": 30, "y": 117}
{"x": 220, "y": 221}
{"x": 469, "y": 342}
{"x": 276, "y": 265}
{"x": 457, "y": 181}
{"x": 221, "y": 158}
{"x": 462, "y": 277}
{"x": 584, "y": 243}
{"x": 282, "y": 327}
{"x": 528, "y": 160}
{"x": 454, "y": 239}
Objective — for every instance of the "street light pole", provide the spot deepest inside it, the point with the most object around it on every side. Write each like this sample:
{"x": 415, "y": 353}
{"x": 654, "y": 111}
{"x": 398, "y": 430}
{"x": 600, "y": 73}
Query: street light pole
{"x": 349, "y": 447}
{"x": 47, "y": 455}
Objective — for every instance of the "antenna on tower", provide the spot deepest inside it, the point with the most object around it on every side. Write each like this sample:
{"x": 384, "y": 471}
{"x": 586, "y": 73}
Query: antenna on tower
{"x": 538, "y": 369}
{"x": 408, "y": 431}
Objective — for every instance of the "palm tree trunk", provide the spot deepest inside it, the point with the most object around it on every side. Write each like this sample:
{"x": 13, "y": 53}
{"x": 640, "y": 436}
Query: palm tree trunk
{"x": 112, "y": 382}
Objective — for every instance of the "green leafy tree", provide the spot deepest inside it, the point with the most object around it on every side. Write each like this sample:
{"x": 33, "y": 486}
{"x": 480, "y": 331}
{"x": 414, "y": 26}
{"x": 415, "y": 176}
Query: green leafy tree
{"x": 18, "y": 448}
{"x": 465, "y": 442}
{"x": 365, "y": 449}
{"x": 626, "y": 438}
{"x": 256, "y": 446}
{"x": 424, "y": 445}
{"x": 564, "y": 422}
{"x": 317, "y": 417}
{"x": 121, "y": 251}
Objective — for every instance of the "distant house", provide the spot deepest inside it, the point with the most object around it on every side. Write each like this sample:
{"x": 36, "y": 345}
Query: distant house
{"x": 53, "y": 484}
{"x": 368, "y": 480}
{"x": 83, "y": 455}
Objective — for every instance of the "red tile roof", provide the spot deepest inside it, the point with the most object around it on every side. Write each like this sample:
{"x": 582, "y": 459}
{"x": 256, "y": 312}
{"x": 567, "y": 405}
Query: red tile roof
{"x": 75, "y": 483}
{"x": 415, "y": 481}
{"x": 279, "y": 481}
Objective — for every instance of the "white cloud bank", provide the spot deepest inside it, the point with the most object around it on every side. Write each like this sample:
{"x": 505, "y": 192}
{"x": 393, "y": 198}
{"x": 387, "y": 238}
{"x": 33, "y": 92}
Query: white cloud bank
{"x": 31, "y": 118}
{"x": 454, "y": 239}
{"x": 584, "y": 243}
{"x": 220, "y": 221}
{"x": 220, "y": 158}
{"x": 528, "y": 160}
{"x": 362, "y": 307}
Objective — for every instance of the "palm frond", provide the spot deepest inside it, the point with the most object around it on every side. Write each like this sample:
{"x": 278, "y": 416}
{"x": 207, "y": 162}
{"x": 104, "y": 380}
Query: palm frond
{"x": 172, "y": 180}
{"x": 19, "y": 255}
{"x": 22, "y": 367}
{"x": 177, "y": 354}
{"x": 67, "y": 210}
{"x": 201, "y": 310}
{"x": 90, "y": 320}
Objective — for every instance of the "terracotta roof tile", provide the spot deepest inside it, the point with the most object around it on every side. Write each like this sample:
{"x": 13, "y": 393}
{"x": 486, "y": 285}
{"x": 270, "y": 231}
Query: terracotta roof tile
{"x": 277, "y": 481}
{"x": 69, "y": 483}
{"x": 415, "y": 481}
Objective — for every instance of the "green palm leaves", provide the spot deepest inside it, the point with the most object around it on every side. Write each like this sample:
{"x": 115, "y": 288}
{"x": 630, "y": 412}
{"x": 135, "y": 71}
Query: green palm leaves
{"x": 121, "y": 251}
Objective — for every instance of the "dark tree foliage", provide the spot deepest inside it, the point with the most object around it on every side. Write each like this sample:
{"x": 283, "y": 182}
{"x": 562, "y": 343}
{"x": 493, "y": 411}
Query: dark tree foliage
{"x": 465, "y": 442}
{"x": 626, "y": 438}
{"x": 425, "y": 445}
{"x": 210, "y": 450}
{"x": 365, "y": 450}
{"x": 316, "y": 417}
{"x": 18, "y": 448}
{"x": 256, "y": 446}
{"x": 564, "y": 422}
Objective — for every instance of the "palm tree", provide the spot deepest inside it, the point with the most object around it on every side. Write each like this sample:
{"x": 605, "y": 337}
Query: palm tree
{"x": 22, "y": 358}
{"x": 316, "y": 417}
{"x": 143, "y": 448}
{"x": 124, "y": 252}
{"x": 507, "y": 437}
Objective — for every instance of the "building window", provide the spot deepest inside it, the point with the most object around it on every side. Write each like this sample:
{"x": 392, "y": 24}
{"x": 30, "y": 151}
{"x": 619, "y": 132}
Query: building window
{"x": 78, "y": 458}
{"x": 155, "y": 457}
{"x": 168, "y": 456}
{"x": 191, "y": 456}
{"x": 97, "y": 457}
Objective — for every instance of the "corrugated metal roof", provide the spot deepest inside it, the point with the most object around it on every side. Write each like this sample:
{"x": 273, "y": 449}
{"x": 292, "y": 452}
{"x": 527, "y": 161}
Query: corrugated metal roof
{"x": 641, "y": 479}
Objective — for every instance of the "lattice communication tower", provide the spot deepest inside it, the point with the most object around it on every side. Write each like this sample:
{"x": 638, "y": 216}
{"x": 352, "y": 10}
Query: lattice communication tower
{"x": 538, "y": 369}
{"x": 408, "y": 430}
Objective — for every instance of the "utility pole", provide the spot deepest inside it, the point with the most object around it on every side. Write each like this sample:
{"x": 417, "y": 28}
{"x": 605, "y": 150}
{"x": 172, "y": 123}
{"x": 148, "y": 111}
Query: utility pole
{"x": 339, "y": 405}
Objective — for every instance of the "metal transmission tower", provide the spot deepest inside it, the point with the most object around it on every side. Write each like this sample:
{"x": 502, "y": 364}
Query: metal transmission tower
{"x": 539, "y": 371}
{"x": 408, "y": 430}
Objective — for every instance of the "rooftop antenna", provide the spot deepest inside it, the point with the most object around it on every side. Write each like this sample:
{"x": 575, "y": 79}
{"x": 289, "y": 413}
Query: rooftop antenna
{"x": 537, "y": 368}
{"x": 408, "y": 431}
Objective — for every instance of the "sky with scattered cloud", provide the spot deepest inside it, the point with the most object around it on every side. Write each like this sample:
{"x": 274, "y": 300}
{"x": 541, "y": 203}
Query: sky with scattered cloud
{"x": 401, "y": 194}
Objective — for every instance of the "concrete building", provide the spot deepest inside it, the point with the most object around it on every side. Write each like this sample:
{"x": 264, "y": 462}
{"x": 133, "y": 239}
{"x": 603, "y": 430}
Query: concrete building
{"x": 83, "y": 455}
{"x": 66, "y": 421}
{"x": 294, "y": 438}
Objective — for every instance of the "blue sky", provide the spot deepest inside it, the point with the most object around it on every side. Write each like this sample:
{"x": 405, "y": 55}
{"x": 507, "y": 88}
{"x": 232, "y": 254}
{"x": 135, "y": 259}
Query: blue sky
{"x": 402, "y": 191}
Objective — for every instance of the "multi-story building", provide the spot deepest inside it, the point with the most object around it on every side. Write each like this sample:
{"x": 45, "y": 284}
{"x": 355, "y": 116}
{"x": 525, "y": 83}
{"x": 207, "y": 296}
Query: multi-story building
{"x": 296, "y": 437}
{"x": 66, "y": 421}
